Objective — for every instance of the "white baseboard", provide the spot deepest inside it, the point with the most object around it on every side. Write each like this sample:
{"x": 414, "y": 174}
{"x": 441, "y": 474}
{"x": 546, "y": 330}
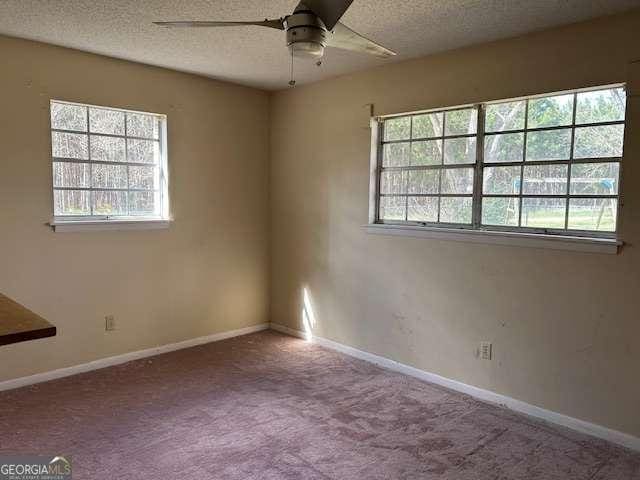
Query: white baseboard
{"x": 289, "y": 331}
{"x": 126, "y": 357}
{"x": 583, "y": 426}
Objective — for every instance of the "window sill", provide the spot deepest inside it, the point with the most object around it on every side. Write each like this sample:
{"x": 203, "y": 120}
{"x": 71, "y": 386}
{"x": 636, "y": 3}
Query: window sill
{"x": 532, "y": 240}
{"x": 61, "y": 226}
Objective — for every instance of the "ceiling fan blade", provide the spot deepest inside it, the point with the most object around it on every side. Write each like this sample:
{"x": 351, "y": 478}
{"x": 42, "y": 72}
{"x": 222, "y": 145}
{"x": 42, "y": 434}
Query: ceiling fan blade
{"x": 277, "y": 24}
{"x": 346, "y": 39}
{"x": 329, "y": 11}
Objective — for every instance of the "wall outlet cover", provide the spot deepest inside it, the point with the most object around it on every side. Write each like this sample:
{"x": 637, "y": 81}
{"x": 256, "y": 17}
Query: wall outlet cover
{"x": 485, "y": 350}
{"x": 109, "y": 323}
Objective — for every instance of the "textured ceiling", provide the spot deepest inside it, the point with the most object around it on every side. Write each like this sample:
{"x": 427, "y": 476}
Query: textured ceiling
{"x": 257, "y": 56}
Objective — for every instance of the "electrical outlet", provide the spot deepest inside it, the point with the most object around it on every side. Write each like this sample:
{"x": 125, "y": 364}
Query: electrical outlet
{"x": 109, "y": 323}
{"x": 485, "y": 350}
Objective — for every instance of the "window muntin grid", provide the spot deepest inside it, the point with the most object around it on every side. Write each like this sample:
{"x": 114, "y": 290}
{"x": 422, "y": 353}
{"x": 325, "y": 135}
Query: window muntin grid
{"x": 107, "y": 163}
{"x": 427, "y": 167}
{"x": 568, "y": 161}
{"x": 562, "y": 181}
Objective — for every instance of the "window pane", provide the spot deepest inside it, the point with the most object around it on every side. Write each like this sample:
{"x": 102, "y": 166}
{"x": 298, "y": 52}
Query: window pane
{"x": 426, "y": 126}
{"x": 69, "y": 145}
{"x": 457, "y": 180}
{"x": 109, "y": 202}
{"x": 107, "y": 149}
{"x": 550, "y": 111}
{"x": 423, "y": 209}
{"x": 424, "y": 181}
{"x": 109, "y": 176}
{"x": 428, "y": 152}
{"x": 393, "y": 154}
{"x": 71, "y": 202}
{"x": 501, "y": 180}
{"x": 594, "y": 178}
{"x": 143, "y": 203}
{"x": 504, "y": 116}
{"x": 143, "y": 177}
{"x": 392, "y": 208}
{"x": 461, "y": 122}
{"x": 549, "y": 145}
{"x": 455, "y": 209}
{"x": 543, "y": 212}
{"x": 143, "y": 151}
{"x": 459, "y": 150}
{"x": 598, "y": 142}
{"x": 68, "y": 117}
{"x": 503, "y": 147}
{"x": 397, "y": 128}
{"x": 500, "y": 211}
{"x": 545, "y": 180}
{"x": 601, "y": 106}
{"x": 597, "y": 214}
{"x": 140, "y": 125}
{"x": 71, "y": 174}
{"x": 106, "y": 121}
{"x": 393, "y": 182}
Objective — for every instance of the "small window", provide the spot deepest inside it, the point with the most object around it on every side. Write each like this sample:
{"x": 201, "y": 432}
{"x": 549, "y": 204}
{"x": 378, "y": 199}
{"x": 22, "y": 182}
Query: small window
{"x": 108, "y": 164}
{"x": 543, "y": 164}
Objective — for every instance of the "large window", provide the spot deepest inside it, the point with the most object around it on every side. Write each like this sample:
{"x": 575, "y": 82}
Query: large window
{"x": 108, "y": 164}
{"x": 542, "y": 164}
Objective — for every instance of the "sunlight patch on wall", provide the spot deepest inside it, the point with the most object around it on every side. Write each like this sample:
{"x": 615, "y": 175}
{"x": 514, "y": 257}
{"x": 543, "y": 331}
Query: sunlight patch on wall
{"x": 308, "y": 317}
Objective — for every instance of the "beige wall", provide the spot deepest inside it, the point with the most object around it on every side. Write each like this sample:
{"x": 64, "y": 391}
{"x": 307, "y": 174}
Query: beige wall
{"x": 565, "y": 325}
{"x": 207, "y": 273}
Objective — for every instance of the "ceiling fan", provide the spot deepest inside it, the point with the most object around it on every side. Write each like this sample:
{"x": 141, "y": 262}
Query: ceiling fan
{"x": 313, "y": 25}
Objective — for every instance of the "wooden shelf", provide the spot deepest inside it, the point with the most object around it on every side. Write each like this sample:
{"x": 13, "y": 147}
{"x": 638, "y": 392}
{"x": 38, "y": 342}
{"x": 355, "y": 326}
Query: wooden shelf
{"x": 19, "y": 324}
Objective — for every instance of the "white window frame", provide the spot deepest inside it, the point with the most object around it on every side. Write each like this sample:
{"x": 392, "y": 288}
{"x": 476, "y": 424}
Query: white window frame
{"x": 73, "y": 223}
{"x": 476, "y": 232}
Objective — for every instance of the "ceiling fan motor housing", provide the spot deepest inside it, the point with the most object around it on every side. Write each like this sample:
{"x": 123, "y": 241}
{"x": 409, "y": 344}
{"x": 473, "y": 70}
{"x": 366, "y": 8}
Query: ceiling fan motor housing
{"x": 306, "y": 35}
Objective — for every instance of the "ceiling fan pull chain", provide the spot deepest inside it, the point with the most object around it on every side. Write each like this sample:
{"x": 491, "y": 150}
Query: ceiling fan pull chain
{"x": 292, "y": 82}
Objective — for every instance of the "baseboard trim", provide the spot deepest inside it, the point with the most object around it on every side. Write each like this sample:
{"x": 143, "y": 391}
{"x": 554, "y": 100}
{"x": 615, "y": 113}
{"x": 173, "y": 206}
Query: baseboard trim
{"x": 126, "y": 357}
{"x": 289, "y": 331}
{"x": 583, "y": 426}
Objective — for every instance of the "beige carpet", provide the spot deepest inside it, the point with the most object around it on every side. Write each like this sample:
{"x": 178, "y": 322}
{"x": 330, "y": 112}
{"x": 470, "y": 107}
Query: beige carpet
{"x": 268, "y": 406}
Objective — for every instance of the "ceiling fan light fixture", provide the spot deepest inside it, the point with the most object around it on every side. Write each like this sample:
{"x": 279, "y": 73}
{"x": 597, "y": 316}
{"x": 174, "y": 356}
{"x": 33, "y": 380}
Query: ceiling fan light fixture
{"x": 309, "y": 50}
{"x": 306, "y": 35}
